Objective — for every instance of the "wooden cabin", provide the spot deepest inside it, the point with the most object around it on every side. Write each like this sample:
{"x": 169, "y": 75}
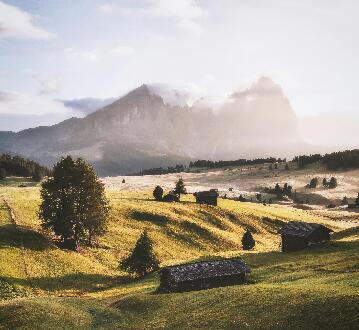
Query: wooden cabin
{"x": 297, "y": 235}
{"x": 170, "y": 197}
{"x": 207, "y": 197}
{"x": 203, "y": 275}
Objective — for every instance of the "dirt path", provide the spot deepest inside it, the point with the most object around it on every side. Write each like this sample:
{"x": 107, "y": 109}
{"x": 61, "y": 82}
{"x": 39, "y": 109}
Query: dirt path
{"x": 13, "y": 220}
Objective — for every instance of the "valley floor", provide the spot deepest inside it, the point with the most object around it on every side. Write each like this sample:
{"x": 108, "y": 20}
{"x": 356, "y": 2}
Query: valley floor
{"x": 45, "y": 287}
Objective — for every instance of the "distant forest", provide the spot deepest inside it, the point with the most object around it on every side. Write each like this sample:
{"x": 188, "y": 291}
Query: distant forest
{"x": 238, "y": 162}
{"x": 209, "y": 164}
{"x": 18, "y": 166}
{"x": 333, "y": 161}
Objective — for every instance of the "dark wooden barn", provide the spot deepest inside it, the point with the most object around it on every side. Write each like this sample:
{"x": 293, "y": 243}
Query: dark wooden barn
{"x": 203, "y": 275}
{"x": 170, "y": 197}
{"x": 298, "y": 235}
{"x": 207, "y": 197}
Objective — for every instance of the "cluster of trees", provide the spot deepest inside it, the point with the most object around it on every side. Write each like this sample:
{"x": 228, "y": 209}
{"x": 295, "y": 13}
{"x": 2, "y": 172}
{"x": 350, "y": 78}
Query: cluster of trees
{"x": 343, "y": 159}
{"x": 331, "y": 184}
{"x": 305, "y": 160}
{"x": 18, "y": 166}
{"x": 161, "y": 170}
{"x": 279, "y": 191}
{"x": 179, "y": 189}
{"x": 334, "y": 161}
{"x": 238, "y": 162}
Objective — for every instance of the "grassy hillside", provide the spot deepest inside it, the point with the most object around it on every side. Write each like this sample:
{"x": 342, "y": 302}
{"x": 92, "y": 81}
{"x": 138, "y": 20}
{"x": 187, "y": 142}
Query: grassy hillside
{"x": 54, "y": 288}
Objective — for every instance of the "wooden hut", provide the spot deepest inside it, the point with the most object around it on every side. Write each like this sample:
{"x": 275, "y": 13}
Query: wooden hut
{"x": 207, "y": 197}
{"x": 298, "y": 235}
{"x": 203, "y": 275}
{"x": 170, "y": 197}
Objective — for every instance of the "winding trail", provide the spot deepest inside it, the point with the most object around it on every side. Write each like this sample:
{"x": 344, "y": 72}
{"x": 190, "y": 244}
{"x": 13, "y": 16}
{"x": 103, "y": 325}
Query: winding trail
{"x": 19, "y": 234}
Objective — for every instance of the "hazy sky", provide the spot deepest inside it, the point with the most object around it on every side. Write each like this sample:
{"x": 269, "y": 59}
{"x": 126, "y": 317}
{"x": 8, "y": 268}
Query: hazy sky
{"x": 64, "y": 49}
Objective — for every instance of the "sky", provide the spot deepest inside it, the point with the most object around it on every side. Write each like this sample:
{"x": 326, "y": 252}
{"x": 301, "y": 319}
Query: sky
{"x": 64, "y": 49}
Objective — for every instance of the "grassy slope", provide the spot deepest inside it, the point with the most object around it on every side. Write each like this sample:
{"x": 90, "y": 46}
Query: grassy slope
{"x": 319, "y": 286}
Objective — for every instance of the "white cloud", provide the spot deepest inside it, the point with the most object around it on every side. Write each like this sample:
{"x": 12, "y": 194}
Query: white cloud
{"x": 15, "y": 103}
{"x": 97, "y": 55}
{"x": 84, "y": 55}
{"x": 106, "y": 8}
{"x": 186, "y": 13}
{"x": 179, "y": 9}
{"x": 190, "y": 26}
{"x": 15, "y": 23}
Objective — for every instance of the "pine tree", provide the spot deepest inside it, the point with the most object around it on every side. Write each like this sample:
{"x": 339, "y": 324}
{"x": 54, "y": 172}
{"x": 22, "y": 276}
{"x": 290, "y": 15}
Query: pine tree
{"x": 287, "y": 167}
{"x": 37, "y": 175}
{"x": 142, "y": 259}
{"x": 248, "y": 241}
{"x": 325, "y": 182}
{"x": 158, "y": 193}
{"x": 333, "y": 183}
{"x": 2, "y": 174}
{"x": 180, "y": 187}
{"x": 357, "y": 201}
{"x": 74, "y": 205}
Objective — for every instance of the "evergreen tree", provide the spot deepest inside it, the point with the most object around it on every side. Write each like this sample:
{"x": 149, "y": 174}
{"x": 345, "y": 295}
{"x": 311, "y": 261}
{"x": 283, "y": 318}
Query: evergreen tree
{"x": 325, "y": 182}
{"x": 158, "y": 193}
{"x": 248, "y": 241}
{"x": 74, "y": 205}
{"x": 180, "y": 187}
{"x": 142, "y": 259}
{"x": 345, "y": 201}
{"x": 333, "y": 183}
{"x": 287, "y": 167}
{"x": 357, "y": 201}
{"x": 2, "y": 173}
{"x": 313, "y": 183}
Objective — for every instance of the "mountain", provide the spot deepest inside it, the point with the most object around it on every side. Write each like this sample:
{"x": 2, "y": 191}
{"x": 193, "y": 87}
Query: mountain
{"x": 146, "y": 129}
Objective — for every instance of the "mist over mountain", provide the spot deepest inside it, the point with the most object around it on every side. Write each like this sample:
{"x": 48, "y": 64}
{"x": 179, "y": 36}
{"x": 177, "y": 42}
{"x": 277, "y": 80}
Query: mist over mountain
{"x": 156, "y": 126}
{"x": 87, "y": 105}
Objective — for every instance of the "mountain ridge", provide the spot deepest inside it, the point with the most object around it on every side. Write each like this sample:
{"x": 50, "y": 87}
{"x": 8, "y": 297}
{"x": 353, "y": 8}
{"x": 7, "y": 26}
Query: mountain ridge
{"x": 140, "y": 130}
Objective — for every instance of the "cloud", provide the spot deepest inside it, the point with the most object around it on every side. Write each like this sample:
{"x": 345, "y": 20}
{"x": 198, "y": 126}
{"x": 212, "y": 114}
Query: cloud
{"x": 15, "y": 103}
{"x": 123, "y": 50}
{"x": 190, "y": 26}
{"x": 185, "y": 13}
{"x": 97, "y": 55}
{"x": 179, "y": 9}
{"x": 15, "y": 23}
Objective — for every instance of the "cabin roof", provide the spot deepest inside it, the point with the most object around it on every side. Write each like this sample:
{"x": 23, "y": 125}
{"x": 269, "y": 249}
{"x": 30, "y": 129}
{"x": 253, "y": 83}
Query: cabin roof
{"x": 209, "y": 193}
{"x": 301, "y": 229}
{"x": 207, "y": 269}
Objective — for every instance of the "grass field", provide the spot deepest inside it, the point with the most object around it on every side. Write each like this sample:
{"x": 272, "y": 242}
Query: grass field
{"x": 45, "y": 287}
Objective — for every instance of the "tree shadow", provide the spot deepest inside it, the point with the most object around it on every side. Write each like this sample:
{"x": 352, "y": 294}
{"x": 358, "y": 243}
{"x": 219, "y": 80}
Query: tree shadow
{"x": 75, "y": 281}
{"x": 23, "y": 237}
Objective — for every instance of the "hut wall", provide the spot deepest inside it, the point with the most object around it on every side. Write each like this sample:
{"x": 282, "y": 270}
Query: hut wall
{"x": 200, "y": 284}
{"x": 293, "y": 243}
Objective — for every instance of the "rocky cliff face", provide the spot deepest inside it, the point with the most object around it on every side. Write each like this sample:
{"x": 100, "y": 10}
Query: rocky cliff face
{"x": 141, "y": 130}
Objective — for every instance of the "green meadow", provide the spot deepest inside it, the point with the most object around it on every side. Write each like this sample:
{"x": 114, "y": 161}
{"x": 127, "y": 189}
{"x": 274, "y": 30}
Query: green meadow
{"x": 45, "y": 287}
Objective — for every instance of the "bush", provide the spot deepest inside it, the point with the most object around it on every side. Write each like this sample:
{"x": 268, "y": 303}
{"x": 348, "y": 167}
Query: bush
{"x": 286, "y": 167}
{"x": 333, "y": 183}
{"x": 313, "y": 183}
{"x": 158, "y": 193}
{"x": 248, "y": 241}
{"x": 74, "y": 205}
{"x": 142, "y": 259}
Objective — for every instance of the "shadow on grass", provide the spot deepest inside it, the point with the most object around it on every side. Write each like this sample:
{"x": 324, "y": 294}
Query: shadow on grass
{"x": 76, "y": 281}
{"x": 28, "y": 238}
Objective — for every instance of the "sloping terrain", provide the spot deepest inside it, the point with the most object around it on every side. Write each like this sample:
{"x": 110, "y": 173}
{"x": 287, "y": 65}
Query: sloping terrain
{"x": 53, "y": 288}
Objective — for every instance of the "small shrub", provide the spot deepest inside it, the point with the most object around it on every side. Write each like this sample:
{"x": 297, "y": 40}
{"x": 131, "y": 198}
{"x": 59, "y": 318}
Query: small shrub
{"x": 158, "y": 193}
{"x": 248, "y": 241}
{"x": 142, "y": 259}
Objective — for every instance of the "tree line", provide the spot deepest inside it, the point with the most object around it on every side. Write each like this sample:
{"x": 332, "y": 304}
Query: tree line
{"x": 238, "y": 162}
{"x": 161, "y": 170}
{"x": 19, "y": 166}
{"x": 334, "y": 161}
